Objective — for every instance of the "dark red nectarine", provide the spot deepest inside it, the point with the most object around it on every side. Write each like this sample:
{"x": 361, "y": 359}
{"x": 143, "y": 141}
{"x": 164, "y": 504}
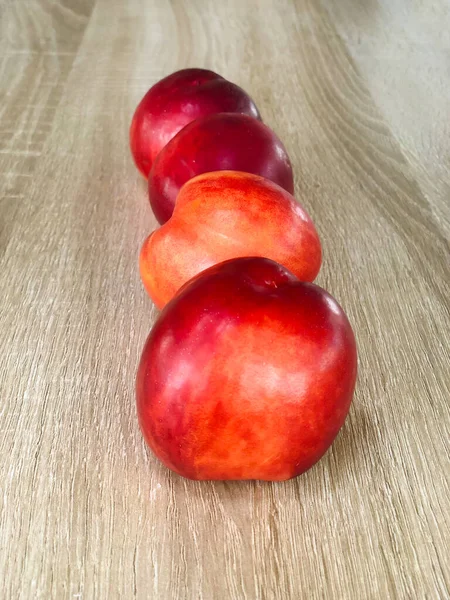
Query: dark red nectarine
{"x": 247, "y": 374}
{"x": 174, "y": 102}
{"x": 214, "y": 143}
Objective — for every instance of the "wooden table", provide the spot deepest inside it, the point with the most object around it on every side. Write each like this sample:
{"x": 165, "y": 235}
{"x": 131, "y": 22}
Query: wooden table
{"x": 359, "y": 90}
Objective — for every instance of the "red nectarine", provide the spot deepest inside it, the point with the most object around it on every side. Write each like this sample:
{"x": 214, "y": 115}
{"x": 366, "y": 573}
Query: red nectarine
{"x": 213, "y": 143}
{"x": 247, "y": 374}
{"x": 174, "y": 102}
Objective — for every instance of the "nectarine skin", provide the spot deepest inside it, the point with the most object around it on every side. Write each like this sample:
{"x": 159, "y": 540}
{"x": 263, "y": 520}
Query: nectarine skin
{"x": 223, "y": 215}
{"x": 247, "y": 374}
{"x": 174, "y": 102}
{"x": 214, "y": 143}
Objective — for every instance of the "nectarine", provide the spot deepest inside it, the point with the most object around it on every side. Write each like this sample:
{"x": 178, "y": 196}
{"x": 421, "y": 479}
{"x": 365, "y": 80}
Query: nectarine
{"x": 223, "y": 215}
{"x": 223, "y": 141}
{"x": 247, "y": 374}
{"x": 174, "y": 102}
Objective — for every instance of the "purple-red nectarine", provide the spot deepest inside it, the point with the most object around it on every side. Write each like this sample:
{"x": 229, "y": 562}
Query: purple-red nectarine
{"x": 218, "y": 142}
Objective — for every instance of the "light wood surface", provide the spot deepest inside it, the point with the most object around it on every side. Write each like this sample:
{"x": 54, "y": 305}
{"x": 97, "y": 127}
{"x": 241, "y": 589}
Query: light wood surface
{"x": 359, "y": 90}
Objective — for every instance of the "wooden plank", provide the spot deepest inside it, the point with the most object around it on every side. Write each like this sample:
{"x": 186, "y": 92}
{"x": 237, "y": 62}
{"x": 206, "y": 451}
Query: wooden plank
{"x": 38, "y": 43}
{"x": 406, "y": 51}
{"x": 86, "y": 511}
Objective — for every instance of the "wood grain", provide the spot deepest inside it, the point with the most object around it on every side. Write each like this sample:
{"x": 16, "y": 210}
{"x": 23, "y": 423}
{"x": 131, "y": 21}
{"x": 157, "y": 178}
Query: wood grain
{"x": 359, "y": 92}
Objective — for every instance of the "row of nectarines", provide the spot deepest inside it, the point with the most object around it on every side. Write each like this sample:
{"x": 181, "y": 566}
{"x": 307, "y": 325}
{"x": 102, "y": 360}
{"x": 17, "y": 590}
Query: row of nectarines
{"x": 249, "y": 371}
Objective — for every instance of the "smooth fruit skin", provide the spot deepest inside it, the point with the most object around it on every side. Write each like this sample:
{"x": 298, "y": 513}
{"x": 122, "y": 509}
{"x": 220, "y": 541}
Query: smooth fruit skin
{"x": 247, "y": 374}
{"x": 174, "y": 102}
{"x": 218, "y": 142}
{"x": 223, "y": 215}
